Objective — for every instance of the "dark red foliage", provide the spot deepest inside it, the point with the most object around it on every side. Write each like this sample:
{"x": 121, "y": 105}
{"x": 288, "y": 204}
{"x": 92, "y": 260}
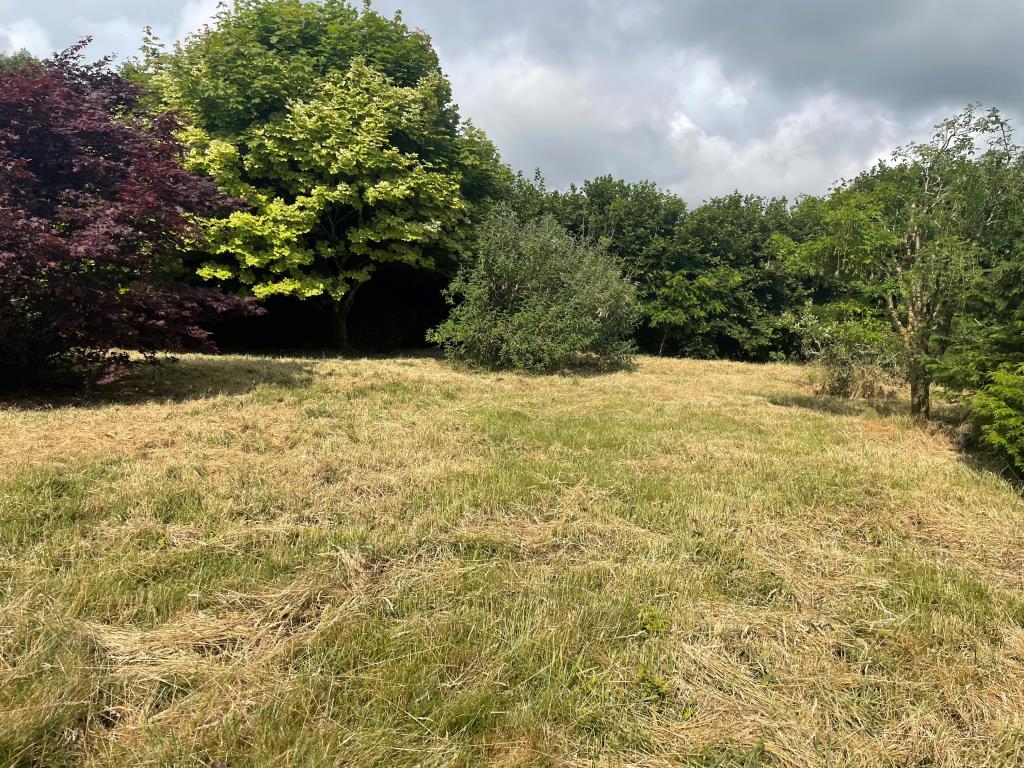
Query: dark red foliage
{"x": 95, "y": 217}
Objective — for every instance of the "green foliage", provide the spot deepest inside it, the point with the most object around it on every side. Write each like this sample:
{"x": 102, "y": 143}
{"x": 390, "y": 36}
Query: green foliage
{"x": 999, "y": 409}
{"x": 725, "y": 292}
{"x": 910, "y": 234}
{"x": 10, "y": 62}
{"x": 258, "y": 55}
{"x": 635, "y": 221}
{"x": 538, "y": 299}
{"x": 989, "y": 332}
{"x": 337, "y": 129}
{"x": 652, "y": 688}
{"x": 336, "y": 192}
{"x": 857, "y": 351}
{"x": 653, "y": 622}
{"x": 708, "y": 282}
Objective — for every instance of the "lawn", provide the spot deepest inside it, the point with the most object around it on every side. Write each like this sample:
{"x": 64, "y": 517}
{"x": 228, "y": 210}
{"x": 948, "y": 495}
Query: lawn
{"x": 264, "y": 562}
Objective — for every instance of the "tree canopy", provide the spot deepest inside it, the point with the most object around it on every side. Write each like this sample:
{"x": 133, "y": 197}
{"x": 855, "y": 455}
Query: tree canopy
{"x": 725, "y": 293}
{"x": 910, "y": 233}
{"x": 337, "y": 129}
{"x": 97, "y": 217}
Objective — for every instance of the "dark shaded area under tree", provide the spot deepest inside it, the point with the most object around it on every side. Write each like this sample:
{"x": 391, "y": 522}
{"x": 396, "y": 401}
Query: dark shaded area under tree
{"x": 392, "y": 312}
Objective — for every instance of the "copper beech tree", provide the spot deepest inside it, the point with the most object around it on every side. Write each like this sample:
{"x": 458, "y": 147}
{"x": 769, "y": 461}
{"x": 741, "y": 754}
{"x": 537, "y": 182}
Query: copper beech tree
{"x": 97, "y": 213}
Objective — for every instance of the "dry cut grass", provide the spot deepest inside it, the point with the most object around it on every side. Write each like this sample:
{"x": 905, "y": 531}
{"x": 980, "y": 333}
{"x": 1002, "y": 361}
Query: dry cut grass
{"x": 252, "y": 562}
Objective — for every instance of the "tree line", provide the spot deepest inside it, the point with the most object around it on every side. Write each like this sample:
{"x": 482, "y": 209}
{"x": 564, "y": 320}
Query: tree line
{"x": 295, "y": 152}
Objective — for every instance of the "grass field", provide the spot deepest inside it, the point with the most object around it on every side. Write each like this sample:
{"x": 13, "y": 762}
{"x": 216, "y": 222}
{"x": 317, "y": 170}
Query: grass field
{"x": 266, "y": 562}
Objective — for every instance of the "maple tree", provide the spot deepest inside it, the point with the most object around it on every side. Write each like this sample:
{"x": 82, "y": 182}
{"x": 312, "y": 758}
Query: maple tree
{"x": 98, "y": 215}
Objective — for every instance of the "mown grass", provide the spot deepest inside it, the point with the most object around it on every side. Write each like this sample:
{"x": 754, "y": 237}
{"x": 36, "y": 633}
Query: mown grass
{"x": 253, "y": 561}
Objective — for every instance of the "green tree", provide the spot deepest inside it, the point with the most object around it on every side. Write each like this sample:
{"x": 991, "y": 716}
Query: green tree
{"x": 989, "y": 333}
{"x": 635, "y": 220}
{"x": 909, "y": 233}
{"x": 9, "y": 62}
{"x": 336, "y": 195}
{"x": 725, "y": 294}
{"x": 336, "y": 128}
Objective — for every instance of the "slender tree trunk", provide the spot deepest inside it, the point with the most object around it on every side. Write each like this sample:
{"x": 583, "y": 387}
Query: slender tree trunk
{"x": 337, "y": 317}
{"x": 915, "y": 342}
{"x": 920, "y": 390}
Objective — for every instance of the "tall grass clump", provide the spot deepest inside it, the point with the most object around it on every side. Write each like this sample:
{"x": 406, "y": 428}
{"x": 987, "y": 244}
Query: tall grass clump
{"x": 537, "y": 299}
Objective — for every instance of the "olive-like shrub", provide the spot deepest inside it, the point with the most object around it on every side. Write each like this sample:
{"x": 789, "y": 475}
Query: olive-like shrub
{"x": 537, "y": 299}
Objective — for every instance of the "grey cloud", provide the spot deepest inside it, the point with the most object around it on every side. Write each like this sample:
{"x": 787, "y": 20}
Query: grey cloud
{"x": 115, "y": 25}
{"x": 913, "y": 53}
{"x": 781, "y": 97}
{"x": 703, "y": 96}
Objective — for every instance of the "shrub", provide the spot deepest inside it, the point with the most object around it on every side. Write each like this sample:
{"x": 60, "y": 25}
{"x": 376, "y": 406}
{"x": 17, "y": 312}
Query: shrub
{"x": 96, "y": 210}
{"x": 859, "y": 357}
{"x": 999, "y": 410}
{"x": 537, "y": 299}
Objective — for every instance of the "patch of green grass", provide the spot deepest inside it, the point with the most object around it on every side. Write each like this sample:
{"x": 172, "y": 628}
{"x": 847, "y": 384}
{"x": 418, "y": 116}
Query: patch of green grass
{"x": 38, "y": 503}
{"x": 729, "y": 756}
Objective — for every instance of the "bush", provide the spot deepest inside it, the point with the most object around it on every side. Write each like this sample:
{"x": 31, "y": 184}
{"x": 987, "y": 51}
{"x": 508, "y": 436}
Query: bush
{"x": 96, "y": 210}
{"x": 999, "y": 410}
{"x": 859, "y": 358}
{"x": 537, "y": 299}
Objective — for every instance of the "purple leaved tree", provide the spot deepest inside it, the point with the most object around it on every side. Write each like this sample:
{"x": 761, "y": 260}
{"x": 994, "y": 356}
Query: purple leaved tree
{"x": 96, "y": 216}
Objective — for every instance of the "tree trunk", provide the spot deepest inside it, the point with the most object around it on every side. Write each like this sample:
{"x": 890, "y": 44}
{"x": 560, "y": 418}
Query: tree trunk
{"x": 920, "y": 391}
{"x": 337, "y": 317}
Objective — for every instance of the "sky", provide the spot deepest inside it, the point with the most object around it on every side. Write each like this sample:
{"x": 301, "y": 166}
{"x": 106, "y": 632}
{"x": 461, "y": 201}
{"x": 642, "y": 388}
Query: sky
{"x": 773, "y": 97}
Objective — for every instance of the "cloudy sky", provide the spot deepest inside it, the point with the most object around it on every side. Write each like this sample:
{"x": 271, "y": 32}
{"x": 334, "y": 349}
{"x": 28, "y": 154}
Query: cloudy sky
{"x": 702, "y": 96}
